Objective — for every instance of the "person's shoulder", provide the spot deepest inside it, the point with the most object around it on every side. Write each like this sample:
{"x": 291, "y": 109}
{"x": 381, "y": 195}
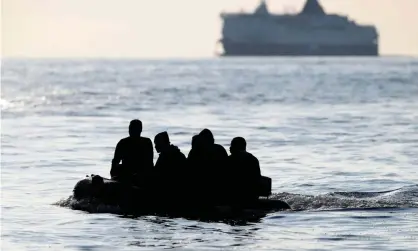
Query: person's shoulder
{"x": 247, "y": 155}
{"x": 176, "y": 150}
{"x": 123, "y": 141}
{"x": 146, "y": 140}
{"x": 220, "y": 148}
{"x": 251, "y": 156}
{"x": 232, "y": 158}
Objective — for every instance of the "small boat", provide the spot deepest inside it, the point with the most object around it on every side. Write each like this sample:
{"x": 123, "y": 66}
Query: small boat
{"x": 135, "y": 200}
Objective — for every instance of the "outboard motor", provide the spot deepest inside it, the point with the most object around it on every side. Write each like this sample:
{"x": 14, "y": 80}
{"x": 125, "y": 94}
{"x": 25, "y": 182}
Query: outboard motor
{"x": 265, "y": 187}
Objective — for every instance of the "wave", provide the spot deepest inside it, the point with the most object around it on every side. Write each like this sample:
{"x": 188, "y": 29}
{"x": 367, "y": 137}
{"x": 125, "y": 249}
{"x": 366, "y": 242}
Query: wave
{"x": 405, "y": 197}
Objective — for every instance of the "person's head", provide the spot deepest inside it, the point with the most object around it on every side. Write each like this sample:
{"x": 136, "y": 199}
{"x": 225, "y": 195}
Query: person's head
{"x": 161, "y": 141}
{"x": 197, "y": 142}
{"x": 238, "y": 144}
{"x": 135, "y": 128}
{"x": 194, "y": 141}
{"x": 207, "y": 137}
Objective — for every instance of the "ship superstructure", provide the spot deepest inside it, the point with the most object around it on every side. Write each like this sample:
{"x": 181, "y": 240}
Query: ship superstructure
{"x": 310, "y": 32}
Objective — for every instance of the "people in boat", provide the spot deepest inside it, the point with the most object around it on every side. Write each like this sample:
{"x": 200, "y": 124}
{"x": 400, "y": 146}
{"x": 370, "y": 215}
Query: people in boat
{"x": 206, "y": 162}
{"x": 217, "y": 152}
{"x": 195, "y": 142}
{"x": 136, "y": 154}
{"x": 170, "y": 167}
{"x": 245, "y": 174}
{"x": 194, "y": 148}
{"x": 205, "y": 153}
{"x": 194, "y": 158}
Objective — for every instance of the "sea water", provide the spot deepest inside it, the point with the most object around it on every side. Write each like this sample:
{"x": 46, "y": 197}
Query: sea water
{"x": 331, "y": 132}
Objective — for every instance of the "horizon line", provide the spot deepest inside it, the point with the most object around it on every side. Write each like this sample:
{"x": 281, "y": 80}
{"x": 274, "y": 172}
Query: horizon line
{"x": 191, "y": 57}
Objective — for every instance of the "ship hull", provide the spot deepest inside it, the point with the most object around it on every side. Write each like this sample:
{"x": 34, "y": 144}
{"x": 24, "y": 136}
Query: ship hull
{"x": 250, "y": 49}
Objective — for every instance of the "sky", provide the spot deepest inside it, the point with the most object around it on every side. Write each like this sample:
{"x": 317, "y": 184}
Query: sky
{"x": 170, "y": 28}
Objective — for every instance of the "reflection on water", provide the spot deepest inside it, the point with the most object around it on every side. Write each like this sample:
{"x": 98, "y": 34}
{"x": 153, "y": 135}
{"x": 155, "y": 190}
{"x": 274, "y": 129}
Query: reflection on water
{"x": 326, "y": 131}
{"x": 165, "y": 234}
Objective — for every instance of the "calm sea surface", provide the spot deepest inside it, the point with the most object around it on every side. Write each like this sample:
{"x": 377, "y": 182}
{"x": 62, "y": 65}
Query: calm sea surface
{"x": 325, "y": 130}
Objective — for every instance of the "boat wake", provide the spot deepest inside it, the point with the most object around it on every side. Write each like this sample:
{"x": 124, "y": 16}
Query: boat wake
{"x": 405, "y": 197}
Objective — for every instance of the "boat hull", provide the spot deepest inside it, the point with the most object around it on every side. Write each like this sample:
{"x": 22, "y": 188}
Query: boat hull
{"x": 267, "y": 49}
{"x": 137, "y": 200}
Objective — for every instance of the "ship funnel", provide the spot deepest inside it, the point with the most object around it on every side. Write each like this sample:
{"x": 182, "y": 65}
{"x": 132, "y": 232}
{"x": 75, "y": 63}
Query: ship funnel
{"x": 313, "y": 7}
{"x": 262, "y": 9}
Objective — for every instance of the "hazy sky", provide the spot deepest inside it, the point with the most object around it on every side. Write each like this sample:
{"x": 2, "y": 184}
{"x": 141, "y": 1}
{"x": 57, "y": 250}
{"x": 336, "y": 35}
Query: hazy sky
{"x": 170, "y": 28}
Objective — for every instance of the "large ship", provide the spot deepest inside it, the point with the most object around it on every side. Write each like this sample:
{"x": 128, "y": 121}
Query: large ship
{"x": 312, "y": 32}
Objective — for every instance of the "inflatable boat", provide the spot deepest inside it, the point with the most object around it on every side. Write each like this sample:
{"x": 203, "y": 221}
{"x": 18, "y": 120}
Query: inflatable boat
{"x": 136, "y": 200}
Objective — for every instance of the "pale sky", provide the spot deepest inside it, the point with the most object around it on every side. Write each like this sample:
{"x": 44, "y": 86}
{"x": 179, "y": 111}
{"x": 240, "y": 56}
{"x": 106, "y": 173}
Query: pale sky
{"x": 170, "y": 28}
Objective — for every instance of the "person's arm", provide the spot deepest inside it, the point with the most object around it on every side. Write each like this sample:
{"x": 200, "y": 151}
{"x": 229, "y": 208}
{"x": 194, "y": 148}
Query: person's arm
{"x": 116, "y": 159}
{"x": 158, "y": 163}
{"x": 224, "y": 152}
{"x": 150, "y": 154}
{"x": 255, "y": 180}
{"x": 191, "y": 153}
{"x": 182, "y": 157}
{"x": 257, "y": 169}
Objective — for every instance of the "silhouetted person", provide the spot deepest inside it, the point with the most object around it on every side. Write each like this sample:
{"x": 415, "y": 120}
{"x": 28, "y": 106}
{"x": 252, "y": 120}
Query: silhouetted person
{"x": 195, "y": 141}
{"x": 210, "y": 162}
{"x": 245, "y": 174}
{"x": 218, "y": 152}
{"x": 136, "y": 154}
{"x": 171, "y": 164}
{"x": 194, "y": 158}
{"x": 195, "y": 161}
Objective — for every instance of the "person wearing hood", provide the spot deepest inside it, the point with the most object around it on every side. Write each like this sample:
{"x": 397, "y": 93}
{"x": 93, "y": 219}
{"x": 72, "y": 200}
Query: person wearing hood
{"x": 171, "y": 164}
{"x": 218, "y": 151}
{"x": 194, "y": 158}
{"x": 213, "y": 163}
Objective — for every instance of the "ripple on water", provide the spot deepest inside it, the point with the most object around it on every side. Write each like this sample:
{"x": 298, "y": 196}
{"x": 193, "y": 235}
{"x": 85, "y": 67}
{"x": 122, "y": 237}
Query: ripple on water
{"x": 320, "y": 128}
